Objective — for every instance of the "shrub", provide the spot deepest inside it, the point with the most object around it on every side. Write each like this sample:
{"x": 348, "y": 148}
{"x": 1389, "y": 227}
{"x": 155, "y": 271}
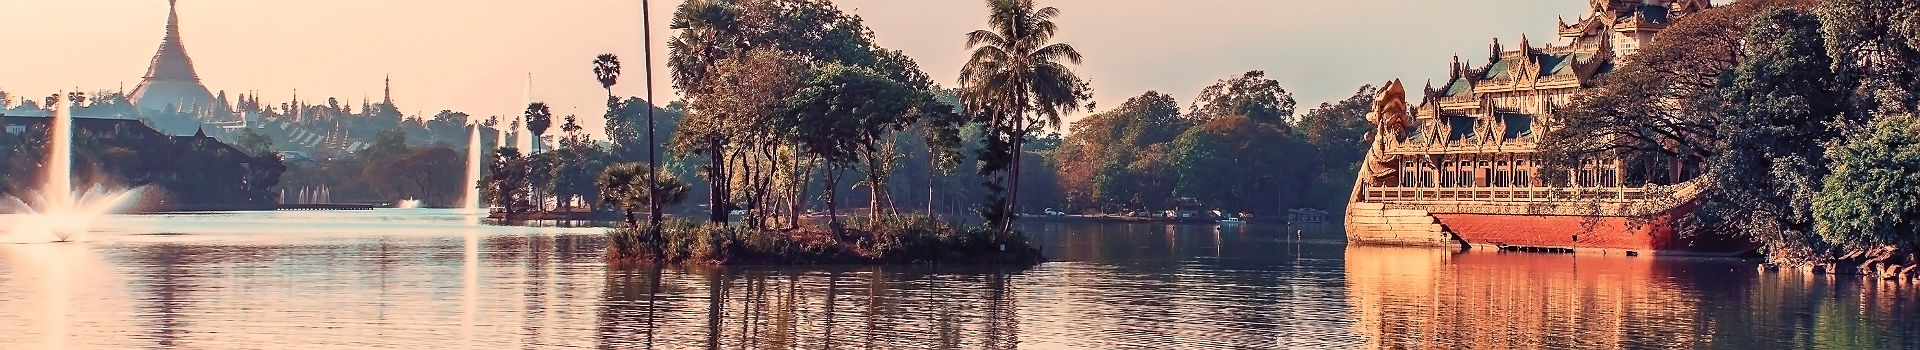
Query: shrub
{"x": 893, "y": 239}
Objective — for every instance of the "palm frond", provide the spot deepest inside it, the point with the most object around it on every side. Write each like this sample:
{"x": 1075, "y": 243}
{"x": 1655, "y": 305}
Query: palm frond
{"x": 984, "y": 37}
{"x": 1057, "y": 52}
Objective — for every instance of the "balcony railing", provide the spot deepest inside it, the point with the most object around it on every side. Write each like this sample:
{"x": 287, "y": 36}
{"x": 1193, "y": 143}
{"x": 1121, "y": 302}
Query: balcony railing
{"x": 1501, "y": 194}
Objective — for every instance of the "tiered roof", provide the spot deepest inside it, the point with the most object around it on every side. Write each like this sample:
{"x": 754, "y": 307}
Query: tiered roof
{"x": 1495, "y": 104}
{"x": 1590, "y": 47}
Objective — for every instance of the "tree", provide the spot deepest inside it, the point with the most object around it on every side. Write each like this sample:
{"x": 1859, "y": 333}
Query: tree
{"x": 1777, "y": 109}
{"x": 1337, "y": 132}
{"x": 389, "y": 143}
{"x": 448, "y": 126}
{"x": 1015, "y": 81}
{"x": 539, "y": 118}
{"x": 418, "y": 174}
{"x": 1249, "y": 95}
{"x": 1096, "y": 163}
{"x": 253, "y": 142}
{"x": 576, "y": 162}
{"x": 1875, "y": 44}
{"x": 736, "y": 128}
{"x": 624, "y": 185}
{"x": 1870, "y": 199}
{"x": 606, "y": 69}
{"x": 1240, "y": 164}
{"x": 507, "y": 181}
{"x": 1663, "y": 103}
{"x": 840, "y": 115}
{"x": 941, "y": 132}
{"x": 716, "y": 33}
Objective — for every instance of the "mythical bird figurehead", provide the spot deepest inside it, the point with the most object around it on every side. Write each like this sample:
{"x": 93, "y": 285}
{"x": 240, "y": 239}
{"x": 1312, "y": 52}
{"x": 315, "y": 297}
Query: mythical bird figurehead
{"x": 1390, "y": 109}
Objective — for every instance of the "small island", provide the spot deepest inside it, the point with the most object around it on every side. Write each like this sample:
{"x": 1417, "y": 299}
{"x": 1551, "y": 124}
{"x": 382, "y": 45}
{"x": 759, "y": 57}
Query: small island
{"x": 893, "y": 240}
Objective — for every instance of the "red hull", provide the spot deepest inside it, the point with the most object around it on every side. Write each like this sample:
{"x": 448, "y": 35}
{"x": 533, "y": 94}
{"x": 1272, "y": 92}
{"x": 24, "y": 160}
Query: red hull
{"x": 1585, "y": 233}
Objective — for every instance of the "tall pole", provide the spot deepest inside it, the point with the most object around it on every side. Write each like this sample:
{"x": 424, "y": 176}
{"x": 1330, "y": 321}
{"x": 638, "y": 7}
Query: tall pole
{"x": 653, "y": 165}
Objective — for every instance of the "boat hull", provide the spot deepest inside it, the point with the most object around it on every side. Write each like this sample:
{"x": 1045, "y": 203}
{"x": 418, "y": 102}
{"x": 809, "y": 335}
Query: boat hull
{"x": 1581, "y": 234}
{"x": 1377, "y": 224}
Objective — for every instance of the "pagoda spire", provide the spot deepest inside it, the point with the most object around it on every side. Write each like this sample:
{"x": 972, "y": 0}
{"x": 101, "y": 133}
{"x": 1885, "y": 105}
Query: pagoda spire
{"x": 171, "y": 62}
{"x": 171, "y": 78}
{"x": 387, "y": 95}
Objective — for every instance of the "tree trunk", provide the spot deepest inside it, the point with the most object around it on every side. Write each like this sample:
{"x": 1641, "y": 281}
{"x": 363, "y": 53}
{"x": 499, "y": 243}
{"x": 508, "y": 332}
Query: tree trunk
{"x": 1013, "y": 183}
{"x": 873, "y": 187}
{"x": 799, "y": 190}
{"x": 716, "y": 182}
{"x": 833, "y": 207}
{"x": 930, "y": 171}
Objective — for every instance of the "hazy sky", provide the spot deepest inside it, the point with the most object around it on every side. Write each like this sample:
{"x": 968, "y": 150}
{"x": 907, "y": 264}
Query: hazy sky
{"x": 474, "y": 55}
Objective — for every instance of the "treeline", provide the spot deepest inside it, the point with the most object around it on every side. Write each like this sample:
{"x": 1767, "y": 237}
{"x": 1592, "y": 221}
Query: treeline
{"x": 791, "y": 108}
{"x": 1238, "y": 147}
{"x": 1802, "y": 114}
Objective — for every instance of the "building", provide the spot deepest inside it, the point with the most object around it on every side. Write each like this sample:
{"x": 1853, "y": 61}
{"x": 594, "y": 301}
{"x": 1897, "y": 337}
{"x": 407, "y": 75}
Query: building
{"x": 171, "y": 84}
{"x": 1461, "y": 168}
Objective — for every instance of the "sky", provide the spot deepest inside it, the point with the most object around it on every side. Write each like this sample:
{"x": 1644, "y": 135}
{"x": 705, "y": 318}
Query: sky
{"x": 476, "y": 56}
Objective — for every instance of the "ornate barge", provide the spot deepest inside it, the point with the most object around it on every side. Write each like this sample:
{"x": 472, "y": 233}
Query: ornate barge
{"x": 1462, "y": 168}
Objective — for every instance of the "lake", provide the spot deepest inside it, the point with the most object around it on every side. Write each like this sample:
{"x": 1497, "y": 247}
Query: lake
{"x": 420, "y": 279}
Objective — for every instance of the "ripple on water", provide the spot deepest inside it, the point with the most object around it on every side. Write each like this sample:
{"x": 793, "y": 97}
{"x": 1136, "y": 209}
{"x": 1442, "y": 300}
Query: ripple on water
{"x": 383, "y": 279}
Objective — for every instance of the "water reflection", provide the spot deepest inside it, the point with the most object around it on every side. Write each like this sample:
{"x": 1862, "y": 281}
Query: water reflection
{"x": 431, "y": 282}
{"x": 1409, "y": 297}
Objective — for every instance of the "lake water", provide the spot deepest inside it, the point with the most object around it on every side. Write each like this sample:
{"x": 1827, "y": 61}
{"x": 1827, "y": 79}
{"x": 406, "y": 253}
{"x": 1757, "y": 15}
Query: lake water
{"x": 425, "y": 279}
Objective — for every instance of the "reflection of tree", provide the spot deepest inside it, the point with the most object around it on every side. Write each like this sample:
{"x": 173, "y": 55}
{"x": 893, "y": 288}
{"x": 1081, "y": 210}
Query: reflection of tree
{"x": 833, "y": 284}
{"x": 1003, "y": 321}
{"x": 629, "y": 306}
{"x": 535, "y": 295}
{"x": 168, "y": 289}
{"x": 716, "y": 306}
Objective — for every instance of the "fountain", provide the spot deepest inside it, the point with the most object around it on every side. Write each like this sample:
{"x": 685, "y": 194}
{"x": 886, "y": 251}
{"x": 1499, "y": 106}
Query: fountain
{"x": 58, "y": 211}
{"x": 473, "y": 172}
{"x": 408, "y": 203}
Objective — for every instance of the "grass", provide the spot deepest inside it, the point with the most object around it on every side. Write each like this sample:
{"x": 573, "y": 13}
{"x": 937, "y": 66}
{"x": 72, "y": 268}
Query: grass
{"x": 892, "y": 240}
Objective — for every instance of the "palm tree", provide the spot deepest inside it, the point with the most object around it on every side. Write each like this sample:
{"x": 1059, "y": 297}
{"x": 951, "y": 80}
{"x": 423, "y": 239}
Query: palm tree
{"x": 606, "y": 68}
{"x": 1017, "y": 81}
{"x": 539, "y": 118}
{"x": 625, "y": 185}
{"x": 632, "y": 187}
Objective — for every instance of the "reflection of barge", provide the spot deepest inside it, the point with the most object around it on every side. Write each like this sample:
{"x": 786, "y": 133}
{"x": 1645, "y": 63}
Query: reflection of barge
{"x": 1460, "y": 169}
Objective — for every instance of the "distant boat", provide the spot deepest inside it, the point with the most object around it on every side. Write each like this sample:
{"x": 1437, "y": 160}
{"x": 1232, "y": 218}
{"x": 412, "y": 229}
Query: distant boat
{"x": 1231, "y": 221}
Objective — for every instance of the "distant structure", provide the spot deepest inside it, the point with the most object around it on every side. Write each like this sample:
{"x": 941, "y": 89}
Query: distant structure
{"x": 171, "y": 85}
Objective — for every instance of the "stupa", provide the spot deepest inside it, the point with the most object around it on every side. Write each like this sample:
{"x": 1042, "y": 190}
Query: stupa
{"x": 171, "y": 85}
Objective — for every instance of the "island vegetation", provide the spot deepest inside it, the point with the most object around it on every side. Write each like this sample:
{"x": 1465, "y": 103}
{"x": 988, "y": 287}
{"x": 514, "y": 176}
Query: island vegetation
{"x": 1802, "y": 114}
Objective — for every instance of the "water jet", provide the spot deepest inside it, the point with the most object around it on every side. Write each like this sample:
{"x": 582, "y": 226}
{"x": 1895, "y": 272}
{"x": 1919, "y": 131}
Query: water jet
{"x": 58, "y": 211}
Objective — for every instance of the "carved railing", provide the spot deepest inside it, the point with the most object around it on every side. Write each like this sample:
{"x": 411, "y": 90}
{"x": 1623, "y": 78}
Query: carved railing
{"x": 1465, "y": 145}
{"x": 1629, "y": 201}
{"x": 1503, "y": 194}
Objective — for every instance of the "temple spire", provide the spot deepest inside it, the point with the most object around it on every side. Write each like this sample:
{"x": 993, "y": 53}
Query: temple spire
{"x": 387, "y": 95}
{"x": 171, "y": 78}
